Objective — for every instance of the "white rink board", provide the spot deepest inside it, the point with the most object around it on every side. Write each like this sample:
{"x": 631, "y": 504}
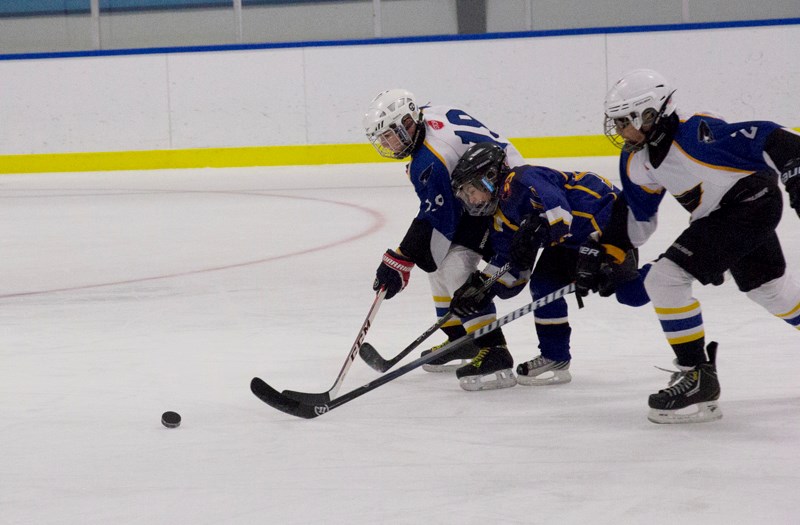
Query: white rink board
{"x": 525, "y": 87}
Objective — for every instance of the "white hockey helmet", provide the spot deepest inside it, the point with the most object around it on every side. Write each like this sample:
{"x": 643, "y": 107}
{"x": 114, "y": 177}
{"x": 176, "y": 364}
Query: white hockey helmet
{"x": 392, "y": 123}
{"x": 640, "y": 97}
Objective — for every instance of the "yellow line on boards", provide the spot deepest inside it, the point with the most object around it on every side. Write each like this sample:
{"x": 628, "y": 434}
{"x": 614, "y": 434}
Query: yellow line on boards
{"x": 538, "y": 147}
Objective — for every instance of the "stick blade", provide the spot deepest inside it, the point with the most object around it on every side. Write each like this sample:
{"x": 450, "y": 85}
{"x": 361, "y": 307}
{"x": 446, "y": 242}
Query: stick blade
{"x": 373, "y": 359}
{"x": 308, "y": 398}
{"x": 285, "y": 404}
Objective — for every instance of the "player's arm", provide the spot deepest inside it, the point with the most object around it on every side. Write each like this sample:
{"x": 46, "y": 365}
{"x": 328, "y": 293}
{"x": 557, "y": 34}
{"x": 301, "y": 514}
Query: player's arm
{"x": 428, "y": 238}
{"x": 782, "y": 148}
{"x": 608, "y": 258}
{"x": 548, "y": 186}
{"x": 643, "y": 197}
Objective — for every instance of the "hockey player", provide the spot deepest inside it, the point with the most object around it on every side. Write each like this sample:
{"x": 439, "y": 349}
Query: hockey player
{"x": 563, "y": 212}
{"x": 724, "y": 175}
{"x": 441, "y": 240}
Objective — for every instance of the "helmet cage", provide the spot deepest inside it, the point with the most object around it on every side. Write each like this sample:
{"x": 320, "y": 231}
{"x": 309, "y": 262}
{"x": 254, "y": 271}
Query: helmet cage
{"x": 614, "y": 125}
{"x": 395, "y": 142}
{"x": 486, "y": 183}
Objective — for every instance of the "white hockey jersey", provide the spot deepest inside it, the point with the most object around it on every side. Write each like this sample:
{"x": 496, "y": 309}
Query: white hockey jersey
{"x": 707, "y": 157}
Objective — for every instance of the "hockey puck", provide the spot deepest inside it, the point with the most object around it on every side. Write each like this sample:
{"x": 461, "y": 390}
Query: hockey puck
{"x": 171, "y": 419}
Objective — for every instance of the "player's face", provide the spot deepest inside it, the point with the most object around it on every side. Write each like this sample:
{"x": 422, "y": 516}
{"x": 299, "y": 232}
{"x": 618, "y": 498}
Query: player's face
{"x": 632, "y": 136}
{"x": 396, "y": 140}
{"x": 391, "y": 141}
{"x": 474, "y": 195}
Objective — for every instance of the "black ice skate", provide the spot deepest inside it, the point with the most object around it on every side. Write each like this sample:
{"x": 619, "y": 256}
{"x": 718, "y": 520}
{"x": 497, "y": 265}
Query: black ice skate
{"x": 691, "y": 396}
{"x": 451, "y": 361}
{"x": 541, "y": 371}
{"x": 489, "y": 370}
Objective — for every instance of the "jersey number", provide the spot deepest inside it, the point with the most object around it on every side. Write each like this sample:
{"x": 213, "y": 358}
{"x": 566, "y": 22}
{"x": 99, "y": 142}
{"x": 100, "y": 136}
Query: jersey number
{"x": 750, "y": 134}
{"x": 438, "y": 201}
{"x": 459, "y": 118}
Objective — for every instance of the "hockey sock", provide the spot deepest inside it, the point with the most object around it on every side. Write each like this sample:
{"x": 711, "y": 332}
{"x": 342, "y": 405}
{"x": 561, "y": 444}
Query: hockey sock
{"x": 554, "y": 340}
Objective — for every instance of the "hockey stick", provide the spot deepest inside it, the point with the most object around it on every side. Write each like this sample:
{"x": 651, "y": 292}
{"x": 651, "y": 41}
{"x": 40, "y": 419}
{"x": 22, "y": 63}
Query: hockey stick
{"x": 325, "y": 397}
{"x": 306, "y": 410}
{"x": 371, "y": 356}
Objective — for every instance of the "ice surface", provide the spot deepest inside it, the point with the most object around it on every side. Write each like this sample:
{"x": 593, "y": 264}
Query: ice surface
{"x": 126, "y": 294}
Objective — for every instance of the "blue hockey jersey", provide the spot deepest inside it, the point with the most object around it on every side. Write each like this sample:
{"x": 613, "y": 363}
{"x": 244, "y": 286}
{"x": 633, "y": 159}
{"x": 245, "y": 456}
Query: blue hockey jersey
{"x": 574, "y": 204}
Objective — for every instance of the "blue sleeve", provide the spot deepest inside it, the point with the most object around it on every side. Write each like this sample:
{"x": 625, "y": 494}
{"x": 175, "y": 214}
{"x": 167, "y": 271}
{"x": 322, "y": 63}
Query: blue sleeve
{"x": 642, "y": 203}
{"x": 437, "y": 203}
{"x": 548, "y": 186}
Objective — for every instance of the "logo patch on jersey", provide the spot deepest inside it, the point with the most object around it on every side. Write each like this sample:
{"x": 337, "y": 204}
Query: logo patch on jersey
{"x": 704, "y": 133}
{"x": 691, "y": 199}
{"x": 435, "y": 124}
{"x": 426, "y": 174}
{"x": 506, "y": 191}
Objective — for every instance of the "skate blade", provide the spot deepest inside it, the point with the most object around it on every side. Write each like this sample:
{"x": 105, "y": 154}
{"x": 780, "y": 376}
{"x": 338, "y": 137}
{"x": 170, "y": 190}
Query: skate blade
{"x": 558, "y": 377}
{"x": 697, "y": 413}
{"x": 493, "y": 381}
{"x": 452, "y": 366}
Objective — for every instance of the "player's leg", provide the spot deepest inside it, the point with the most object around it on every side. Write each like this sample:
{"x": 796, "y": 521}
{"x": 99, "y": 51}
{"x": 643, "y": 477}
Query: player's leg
{"x": 763, "y": 276}
{"x": 452, "y": 272}
{"x": 491, "y": 367}
{"x": 723, "y": 240}
{"x": 554, "y": 269}
{"x": 693, "y": 391}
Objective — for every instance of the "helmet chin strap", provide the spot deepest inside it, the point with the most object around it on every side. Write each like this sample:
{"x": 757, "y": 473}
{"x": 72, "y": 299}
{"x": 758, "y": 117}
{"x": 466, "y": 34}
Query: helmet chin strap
{"x": 419, "y": 134}
{"x": 659, "y": 145}
{"x": 659, "y": 138}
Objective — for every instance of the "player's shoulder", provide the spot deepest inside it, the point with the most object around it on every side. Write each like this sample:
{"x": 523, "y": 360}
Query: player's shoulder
{"x": 435, "y": 117}
{"x": 432, "y": 158}
{"x": 531, "y": 176}
{"x": 534, "y": 171}
{"x": 700, "y": 116}
{"x": 691, "y": 125}
{"x": 441, "y": 141}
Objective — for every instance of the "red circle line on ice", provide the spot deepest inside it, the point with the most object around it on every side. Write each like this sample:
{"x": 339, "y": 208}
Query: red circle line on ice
{"x": 378, "y": 221}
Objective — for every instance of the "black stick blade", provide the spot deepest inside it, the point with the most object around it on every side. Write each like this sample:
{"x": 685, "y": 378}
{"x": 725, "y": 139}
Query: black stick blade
{"x": 278, "y": 401}
{"x": 371, "y": 357}
{"x": 309, "y": 398}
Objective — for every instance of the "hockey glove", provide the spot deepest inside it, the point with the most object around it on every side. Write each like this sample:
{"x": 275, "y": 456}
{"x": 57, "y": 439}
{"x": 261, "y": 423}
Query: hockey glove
{"x": 393, "y": 273}
{"x": 791, "y": 179}
{"x": 526, "y": 242}
{"x": 613, "y": 274}
{"x": 590, "y": 255}
{"x": 469, "y": 299}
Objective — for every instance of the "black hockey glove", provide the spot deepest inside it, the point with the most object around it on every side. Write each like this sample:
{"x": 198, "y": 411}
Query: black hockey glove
{"x": 469, "y": 299}
{"x": 393, "y": 273}
{"x": 527, "y": 240}
{"x": 613, "y": 274}
{"x": 791, "y": 179}
{"x": 590, "y": 256}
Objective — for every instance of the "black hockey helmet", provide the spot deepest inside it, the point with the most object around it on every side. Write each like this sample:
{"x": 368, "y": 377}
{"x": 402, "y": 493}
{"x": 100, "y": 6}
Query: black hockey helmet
{"x": 482, "y": 167}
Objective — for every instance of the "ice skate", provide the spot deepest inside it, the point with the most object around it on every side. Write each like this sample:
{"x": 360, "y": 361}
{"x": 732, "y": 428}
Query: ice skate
{"x": 691, "y": 396}
{"x": 451, "y": 361}
{"x": 541, "y": 371}
{"x": 489, "y": 370}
